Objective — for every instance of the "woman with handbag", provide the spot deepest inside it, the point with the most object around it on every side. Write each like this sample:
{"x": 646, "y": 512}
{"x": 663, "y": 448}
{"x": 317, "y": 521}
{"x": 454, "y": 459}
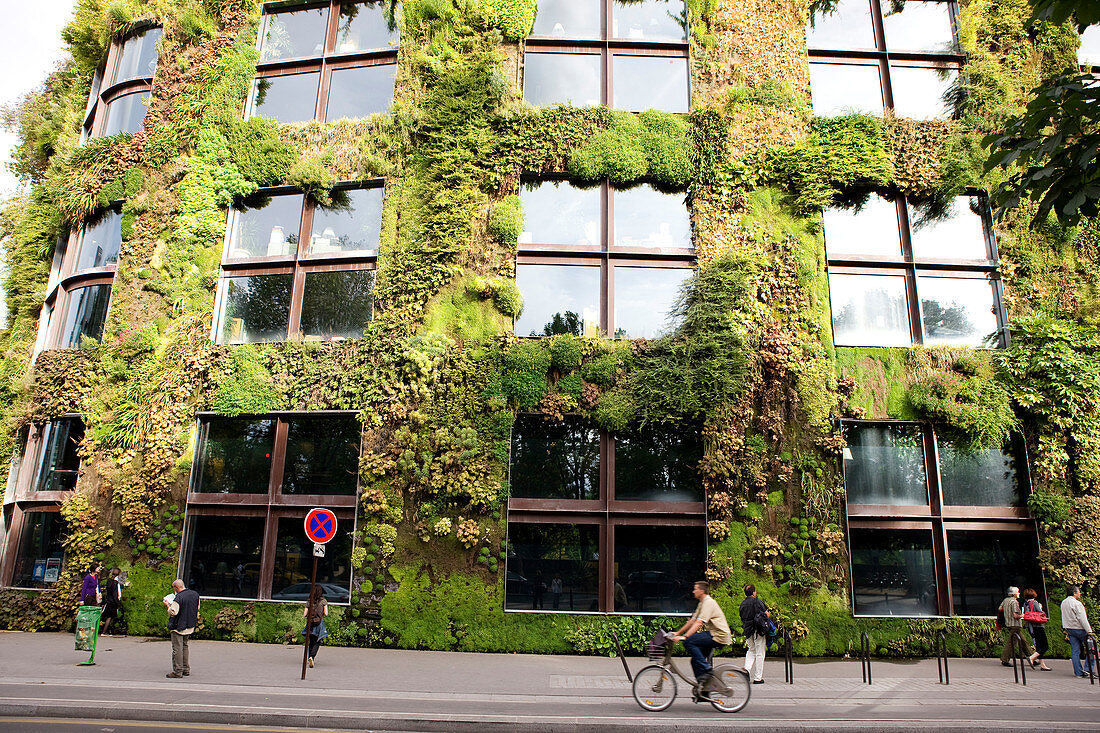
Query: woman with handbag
{"x": 1036, "y": 620}
{"x": 315, "y": 628}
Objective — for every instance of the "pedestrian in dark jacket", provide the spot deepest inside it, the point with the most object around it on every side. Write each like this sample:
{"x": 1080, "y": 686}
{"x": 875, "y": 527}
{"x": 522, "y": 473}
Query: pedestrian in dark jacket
{"x": 754, "y": 616}
{"x": 183, "y": 617}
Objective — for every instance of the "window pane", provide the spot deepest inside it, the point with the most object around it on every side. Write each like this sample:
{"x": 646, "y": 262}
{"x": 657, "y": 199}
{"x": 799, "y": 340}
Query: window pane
{"x": 363, "y": 26}
{"x": 646, "y": 217}
{"x": 268, "y": 228}
{"x": 290, "y": 98}
{"x": 60, "y": 462}
{"x": 235, "y": 456}
{"x": 980, "y": 478}
{"x": 984, "y": 564}
{"x": 256, "y": 309}
{"x": 839, "y": 89}
{"x": 957, "y": 311}
{"x": 848, "y": 28}
{"x": 658, "y": 463}
{"x": 649, "y": 20}
{"x": 644, "y": 299}
{"x": 656, "y": 568}
{"x": 892, "y": 572}
{"x": 558, "y": 299}
{"x": 562, "y": 78}
{"x": 920, "y": 92}
{"x": 322, "y": 455}
{"x": 869, "y": 310}
{"x": 568, "y": 19}
{"x": 869, "y": 230}
{"x": 352, "y": 224}
{"x": 224, "y": 555}
{"x": 40, "y": 552}
{"x": 554, "y": 460}
{"x": 138, "y": 57}
{"x": 360, "y": 91}
{"x": 921, "y": 26}
{"x": 961, "y": 236}
{"x": 337, "y": 304}
{"x": 650, "y": 82}
{"x": 1089, "y": 52}
{"x": 84, "y": 315}
{"x": 125, "y": 114}
{"x": 556, "y": 212}
{"x": 545, "y": 557}
{"x": 886, "y": 465}
{"x": 294, "y": 563}
{"x": 100, "y": 242}
{"x": 294, "y": 34}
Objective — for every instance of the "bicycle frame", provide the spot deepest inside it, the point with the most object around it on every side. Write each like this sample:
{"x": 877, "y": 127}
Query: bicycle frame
{"x": 670, "y": 665}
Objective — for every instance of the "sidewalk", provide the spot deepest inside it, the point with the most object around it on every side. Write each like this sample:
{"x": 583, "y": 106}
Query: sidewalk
{"x": 382, "y": 689}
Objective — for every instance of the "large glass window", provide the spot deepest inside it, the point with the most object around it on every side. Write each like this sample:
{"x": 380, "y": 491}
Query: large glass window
{"x": 555, "y": 460}
{"x": 558, "y": 299}
{"x": 234, "y": 456}
{"x": 286, "y": 98}
{"x": 869, "y": 310}
{"x": 224, "y": 555}
{"x": 562, "y": 78}
{"x": 40, "y": 556}
{"x": 884, "y": 464}
{"x": 1088, "y": 54}
{"x": 656, "y": 568}
{"x": 658, "y": 463}
{"x": 359, "y": 91}
{"x": 645, "y": 299}
{"x": 60, "y": 462}
{"x": 650, "y": 82}
{"x": 255, "y": 309}
{"x": 100, "y": 241}
{"x": 892, "y": 572}
{"x": 553, "y": 567}
{"x": 137, "y": 59}
{"x": 294, "y": 565}
{"x": 120, "y": 89}
{"x": 988, "y": 477}
{"x": 322, "y": 455}
{"x": 125, "y": 113}
{"x": 85, "y": 312}
{"x": 352, "y": 224}
{"x": 984, "y": 564}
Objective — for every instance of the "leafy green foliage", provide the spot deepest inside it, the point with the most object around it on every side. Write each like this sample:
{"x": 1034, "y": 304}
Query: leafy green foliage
{"x": 506, "y": 220}
{"x": 514, "y": 18}
{"x": 1083, "y": 12}
{"x": 246, "y": 387}
{"x": 257, "y": 151}
{"x": 648, "y": 145}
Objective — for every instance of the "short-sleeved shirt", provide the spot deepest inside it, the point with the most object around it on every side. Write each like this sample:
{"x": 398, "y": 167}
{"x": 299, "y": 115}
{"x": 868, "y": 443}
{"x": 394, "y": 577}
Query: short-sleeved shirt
{"x": 710, "y": 613}
{"x": 1009, "y": 608}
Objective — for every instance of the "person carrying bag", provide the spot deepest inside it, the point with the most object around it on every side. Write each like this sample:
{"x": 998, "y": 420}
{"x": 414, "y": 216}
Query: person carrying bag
{"x": 1035, "y": 618}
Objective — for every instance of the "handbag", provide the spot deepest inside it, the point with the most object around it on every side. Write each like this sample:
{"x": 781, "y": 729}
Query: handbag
{"x": 1034, "y": 617}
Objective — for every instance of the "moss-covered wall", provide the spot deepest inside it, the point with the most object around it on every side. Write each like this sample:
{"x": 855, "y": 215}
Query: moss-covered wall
{"x": 438, "y": 377}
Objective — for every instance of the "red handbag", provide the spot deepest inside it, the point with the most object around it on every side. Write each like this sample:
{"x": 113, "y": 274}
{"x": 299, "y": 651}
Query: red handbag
{"x": 1034, "y": 617}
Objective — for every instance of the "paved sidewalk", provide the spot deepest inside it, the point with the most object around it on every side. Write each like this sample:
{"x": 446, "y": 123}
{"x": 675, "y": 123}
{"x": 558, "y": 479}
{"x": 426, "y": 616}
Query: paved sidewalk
{"x": 381, "y": 689}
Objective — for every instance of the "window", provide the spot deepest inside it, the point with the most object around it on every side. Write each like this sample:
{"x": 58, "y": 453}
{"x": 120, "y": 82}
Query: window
{"x": 252, "y": 482}
{"x": 40, "y": 555}
{"x": 324, "y": 62}
{"x": 1088, "y": 55}
{"x": 294, "y": 266}
{"x": 60, "y": 464}
{"x": 901, "y": 274}
{"x": 868, "y": 57}
{"x": 121, "y": 87}
{"x": 85, "y": 314}
{"x": 601, "y": 260}
{"x": 934, "y": 530}
{"x": 626, "y": 54}
{"x": 599, "y": 522}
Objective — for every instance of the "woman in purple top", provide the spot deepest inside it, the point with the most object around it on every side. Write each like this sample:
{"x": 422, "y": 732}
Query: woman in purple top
{"x": 89, "y": 592}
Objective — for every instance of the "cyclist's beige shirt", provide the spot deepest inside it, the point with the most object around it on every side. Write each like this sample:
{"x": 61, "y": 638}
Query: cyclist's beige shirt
{"x": 710, "y": 613}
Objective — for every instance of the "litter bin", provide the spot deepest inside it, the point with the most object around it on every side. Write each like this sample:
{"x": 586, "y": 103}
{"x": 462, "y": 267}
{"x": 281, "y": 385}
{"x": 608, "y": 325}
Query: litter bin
{"x": 87, "y": 630}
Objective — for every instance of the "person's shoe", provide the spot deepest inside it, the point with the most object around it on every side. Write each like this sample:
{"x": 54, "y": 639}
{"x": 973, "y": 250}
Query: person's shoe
{"x": 1006, "y": 664}
{"x": 758, "y": 682}
{"x": 310, "y": 661}
{"x": 187, "y": 673}
{"x": 173, "y": 675}
{"x": 1044, "y": 669}
{"x": 1082, "y": 676}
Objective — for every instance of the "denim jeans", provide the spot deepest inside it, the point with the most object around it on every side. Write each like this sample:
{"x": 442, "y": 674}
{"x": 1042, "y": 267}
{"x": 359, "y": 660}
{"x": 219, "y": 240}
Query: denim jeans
{"x": 699, "y": 645}
{"x": 1077, "y": 639}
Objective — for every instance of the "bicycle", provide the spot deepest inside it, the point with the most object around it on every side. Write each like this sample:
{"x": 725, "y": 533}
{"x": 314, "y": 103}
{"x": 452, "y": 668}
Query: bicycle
{"x": 655, "y": 685}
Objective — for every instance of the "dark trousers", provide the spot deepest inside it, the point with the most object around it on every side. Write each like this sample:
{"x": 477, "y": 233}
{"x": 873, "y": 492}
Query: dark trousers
{"x": 699, "y": 645}
{"x": 314, "y": 645}
{"x": 1021, "y": 645}
{"x": 180, "y": 663}
{"x": 1039, "y": 634}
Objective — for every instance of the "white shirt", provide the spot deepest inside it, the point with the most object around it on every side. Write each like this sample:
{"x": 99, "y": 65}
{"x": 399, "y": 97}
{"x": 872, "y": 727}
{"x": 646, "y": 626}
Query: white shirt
{"x": 1074, "y": 615}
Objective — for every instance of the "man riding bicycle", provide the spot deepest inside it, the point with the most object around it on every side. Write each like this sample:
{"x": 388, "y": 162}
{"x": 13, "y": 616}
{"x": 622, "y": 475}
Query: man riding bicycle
{"x": 706, "y": 629}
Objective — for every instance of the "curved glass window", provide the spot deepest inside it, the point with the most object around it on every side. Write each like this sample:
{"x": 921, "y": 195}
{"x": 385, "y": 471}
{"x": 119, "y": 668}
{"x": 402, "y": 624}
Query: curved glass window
{"x": 100, "y": 241}
{"x": 137, "y": 58}
{"x": 84, "y": 315}
{"x": 125, "y": 114}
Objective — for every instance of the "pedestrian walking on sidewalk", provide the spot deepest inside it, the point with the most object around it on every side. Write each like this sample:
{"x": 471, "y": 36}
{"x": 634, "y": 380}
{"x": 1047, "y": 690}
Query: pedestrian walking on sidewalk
{"x": 755, "y": 619}
{"x": 1014, "y": 628}
{"x": 1075, "y": 622}
{"x": 112, "y": 597}
{"x": 315, "y": 629}
{"x": 1033, "y": 610}
{"x": 183, "y": 617}
{"x": 89, "y": 590}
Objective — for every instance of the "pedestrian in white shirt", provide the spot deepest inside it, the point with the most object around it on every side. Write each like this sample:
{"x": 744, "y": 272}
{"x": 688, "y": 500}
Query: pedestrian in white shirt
{"x": 1075, "y": 621}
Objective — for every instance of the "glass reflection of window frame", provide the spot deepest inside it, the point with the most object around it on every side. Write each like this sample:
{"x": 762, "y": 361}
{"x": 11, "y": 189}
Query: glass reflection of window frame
{"x": 106, "y": 87}
{"x": 609, "y": 48}
{"x": 913, "y": 268}
{"x": 324, "y": 63}
{"x": 48, "y": 473}
{"x": 296, "y": 260}
{"x": 936, "y": 516}
{"x": 606, "y": 511}
{"x": 882, "y": 56}
{"x": 605, "y": 254}
{"x": 271, "y": 505}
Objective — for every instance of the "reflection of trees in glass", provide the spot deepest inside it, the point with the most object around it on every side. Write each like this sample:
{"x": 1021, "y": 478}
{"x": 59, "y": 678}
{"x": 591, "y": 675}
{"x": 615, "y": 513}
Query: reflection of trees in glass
{"x": 337, "y": 304}
{"x": 658, "y": 463}
{"x": 951, "y": 321}
{"x": 892, "y": 571}
{"x": 261, "y": 303}
{"x": 568, "y": 322}
{"x": 887, "y": 465}
{"x": 262, "y": 87}
{"x": 978, "y": 478}
{"x": 554, "y": 460}
{"x": 236, "y": 456}
{"x": 865, "y": 308}
{"x": 322, "y": 456}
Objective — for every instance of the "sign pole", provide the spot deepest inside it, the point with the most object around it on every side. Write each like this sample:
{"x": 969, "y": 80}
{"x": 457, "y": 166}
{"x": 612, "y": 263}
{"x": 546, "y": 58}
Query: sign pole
{"x": 309, "y": 615}
{"x": 320, "y": 526}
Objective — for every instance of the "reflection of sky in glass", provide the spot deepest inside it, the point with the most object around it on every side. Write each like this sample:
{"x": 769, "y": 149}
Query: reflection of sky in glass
{"x": 294, "y": 34}
{"x": 84, "y": 315}
{"x": 268, "y": 231}
{"x": 869, "y": 310}
{"x": 921, "y": 26}
{"x": 363, "y": 26}
{"x": 649, "y": 20}
{"x": 101, "y": 241}
{"x": 256, "y": 309}
{"x": 849, "y": 27}
{"x": 643, "y": 298}
{"x": 555, "y": 212}
{"x": 837, "y": 89}
{"x": 646, "y": 217}
{"x": 956, "y": 311}
{"x": 650, "y": 82}
{"x": 352, "y": 224}
{"x": 138, "y": 57}
{"x": 919, "y": 91}
{"x": 359, "y": 92}
{"x": 980, "y": 478}
{"x": 960, "y": 237}
{"x": 562, "y": 78}
{"x": 125, "y": 114}
{"x": 550, "y": 290}
{"x": 568, "y": 19}
{"x": 1089, "y": 53}
{"x": 886, "y": 465}
{"x": 286, "y": 98}
{"x": 872, "y": 230}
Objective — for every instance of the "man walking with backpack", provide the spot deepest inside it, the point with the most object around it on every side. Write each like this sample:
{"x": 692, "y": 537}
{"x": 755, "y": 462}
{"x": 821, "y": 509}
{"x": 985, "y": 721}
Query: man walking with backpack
{"x": 755, "y": 621}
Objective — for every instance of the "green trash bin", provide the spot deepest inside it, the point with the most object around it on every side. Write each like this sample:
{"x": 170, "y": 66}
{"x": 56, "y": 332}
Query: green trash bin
{"x": 87, "y": 630}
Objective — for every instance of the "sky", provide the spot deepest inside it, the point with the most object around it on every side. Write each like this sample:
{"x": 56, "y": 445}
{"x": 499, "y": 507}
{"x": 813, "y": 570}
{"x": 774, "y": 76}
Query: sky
{"x": 32, "y": 48}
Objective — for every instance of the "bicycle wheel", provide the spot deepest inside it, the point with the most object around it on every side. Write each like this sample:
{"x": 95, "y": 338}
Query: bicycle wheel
{"x": 732, "y": 689}
{"x": 654, "y": 688}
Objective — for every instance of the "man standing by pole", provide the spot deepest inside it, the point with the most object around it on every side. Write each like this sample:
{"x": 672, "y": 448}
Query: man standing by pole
{"x": 183, "y": 617}
{"x": 1075, "y": 622}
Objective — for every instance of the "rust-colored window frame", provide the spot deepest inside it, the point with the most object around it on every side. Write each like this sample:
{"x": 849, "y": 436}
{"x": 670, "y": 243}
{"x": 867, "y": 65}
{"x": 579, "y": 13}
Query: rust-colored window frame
{"x": 59, "y": 301}
{"x": 20, "y": 511}
{"x": 105, "y": 90}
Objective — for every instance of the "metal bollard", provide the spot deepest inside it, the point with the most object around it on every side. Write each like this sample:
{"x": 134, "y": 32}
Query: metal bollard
{"x": 865, "y": 656}
{"x": 940, "y": 643}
